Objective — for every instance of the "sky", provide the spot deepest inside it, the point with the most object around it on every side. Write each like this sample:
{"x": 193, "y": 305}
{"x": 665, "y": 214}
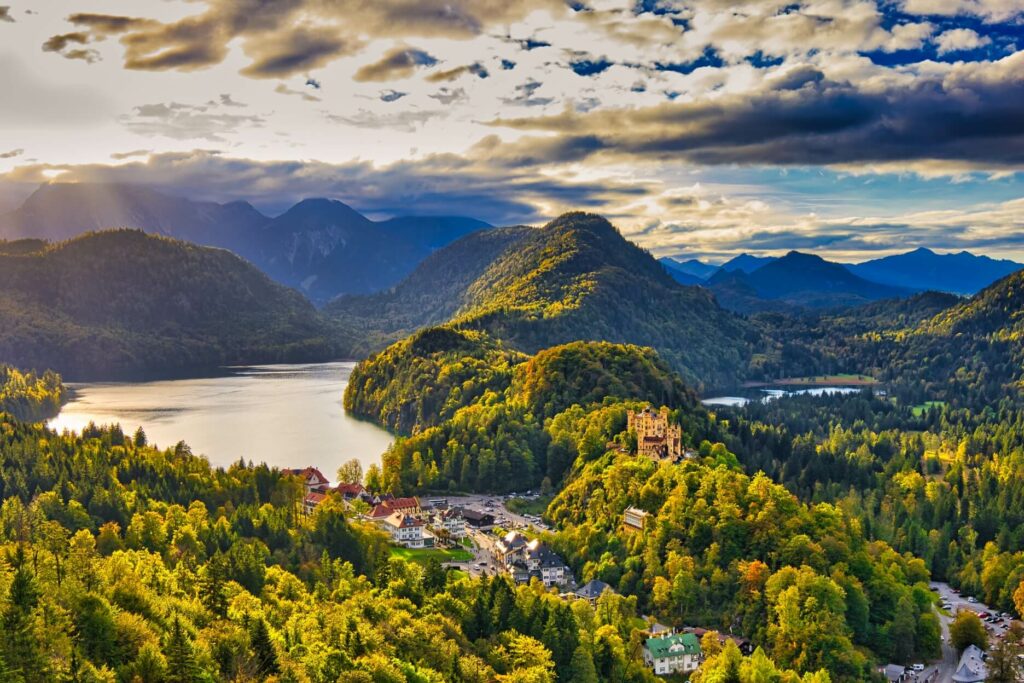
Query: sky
{"x": 701, "y": 128}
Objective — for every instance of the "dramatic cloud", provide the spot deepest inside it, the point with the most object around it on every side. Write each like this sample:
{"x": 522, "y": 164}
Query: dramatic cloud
{"x": 971, "y": 112}
{"x": 294, "y": 51}
{"x": 5, "y": 14}
{"x": 431, "y": 185}
{"x": 11, "y": 154}
{"x": 399, "y": 63}
{"x": 293, "y": 36}
{"x": 705, "y": 123}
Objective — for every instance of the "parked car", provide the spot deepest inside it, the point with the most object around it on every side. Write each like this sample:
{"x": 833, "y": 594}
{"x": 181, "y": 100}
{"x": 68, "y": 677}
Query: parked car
{"x": 971, "y": 599}
{"x": 918, "y": 668}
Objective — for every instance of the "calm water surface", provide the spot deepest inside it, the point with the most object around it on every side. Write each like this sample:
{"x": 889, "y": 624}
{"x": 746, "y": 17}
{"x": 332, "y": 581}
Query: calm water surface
{"x": 769, "y": 394}
{"x": 284, "y": 415}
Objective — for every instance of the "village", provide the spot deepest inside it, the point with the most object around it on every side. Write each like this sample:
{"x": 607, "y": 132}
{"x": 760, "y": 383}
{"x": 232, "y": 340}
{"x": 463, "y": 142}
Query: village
{"x": 480, "y": 535}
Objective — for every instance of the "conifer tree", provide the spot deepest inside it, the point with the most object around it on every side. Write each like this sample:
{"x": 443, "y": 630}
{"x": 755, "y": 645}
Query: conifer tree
{"x": 181, "y": 659}
{"x": 263, "y": 649}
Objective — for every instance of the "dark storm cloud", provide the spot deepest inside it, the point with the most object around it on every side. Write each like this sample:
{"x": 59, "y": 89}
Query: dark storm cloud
{"x": 301, "y": 49}
{"x": 973, "y": 113}
{"x": 430, "y": 185}
{"x": 107, "y": 24}
{"x": 398, "y": 63}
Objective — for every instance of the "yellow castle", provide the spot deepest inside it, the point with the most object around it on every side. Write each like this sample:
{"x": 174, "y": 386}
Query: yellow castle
{"x": 655, "y": 437}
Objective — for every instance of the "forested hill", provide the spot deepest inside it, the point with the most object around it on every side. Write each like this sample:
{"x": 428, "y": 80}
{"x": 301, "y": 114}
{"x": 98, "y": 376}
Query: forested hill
{"x": 974, "y": 348}
{"x": 123, "y": 302}
{"x": 574, "y": 279}
{"x": 432, "y": 294}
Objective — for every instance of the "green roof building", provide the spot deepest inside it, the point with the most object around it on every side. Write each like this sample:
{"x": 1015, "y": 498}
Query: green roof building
{"x": 671, "y": 654}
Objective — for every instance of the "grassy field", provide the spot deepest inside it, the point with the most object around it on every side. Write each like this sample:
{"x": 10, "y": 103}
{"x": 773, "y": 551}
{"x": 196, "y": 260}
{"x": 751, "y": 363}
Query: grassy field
{"x": 421, "y": 555}
{"x": 523, "y": 506}
{"x": 920, "y": 409}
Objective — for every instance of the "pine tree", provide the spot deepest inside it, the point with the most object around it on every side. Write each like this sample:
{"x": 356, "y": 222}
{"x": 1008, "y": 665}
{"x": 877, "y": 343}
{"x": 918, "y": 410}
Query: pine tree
{"x": 582, "y": 669}
{"x": 211, "y": 586}
{"x": 264, "y": 654}
{"x": 20, "y": 647}
{"x": 181, "y": 659}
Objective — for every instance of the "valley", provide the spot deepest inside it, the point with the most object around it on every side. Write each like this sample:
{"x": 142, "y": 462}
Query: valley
{"x": 513, "y": 359}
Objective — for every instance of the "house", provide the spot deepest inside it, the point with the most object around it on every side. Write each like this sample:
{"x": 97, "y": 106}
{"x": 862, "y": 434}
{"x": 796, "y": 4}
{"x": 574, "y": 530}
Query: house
{"x": 312, "y": 499}
{"x": 451, "y": 520}
{"x": 655, "y": 437}
{"x": 313, "y": 478}
{"x": 677, "y": 653}
{"x": 524, "y": 559}
{"x": 511, "y": 548}
{"x": 544, "y": 563}
{"x": 635, "y": 518}
{"x": 592, "y": 590}
{"x": 478, "y": 519}
{"x": 407, "y": 531}
{"x": 350, "y": 491}
{"x": 972, "y": 668}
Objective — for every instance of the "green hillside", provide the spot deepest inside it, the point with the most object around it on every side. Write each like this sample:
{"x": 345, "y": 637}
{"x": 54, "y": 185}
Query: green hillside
{"x": 123, "y": 302}
{"x": 574, "y": 279}
{"x": 431, "y": 295}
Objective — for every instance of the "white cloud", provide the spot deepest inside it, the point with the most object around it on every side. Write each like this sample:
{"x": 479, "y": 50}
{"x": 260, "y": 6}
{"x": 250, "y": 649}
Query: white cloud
{"x": 960, "y": 39}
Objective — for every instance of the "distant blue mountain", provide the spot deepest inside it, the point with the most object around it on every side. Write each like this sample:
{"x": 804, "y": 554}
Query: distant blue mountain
{"x": 694, "y": 267}
{"x": 746, "y": 263}
{"x": 923, "y": 269}
{"x": 681, "y": 274}
{"x": 797, "y": 280}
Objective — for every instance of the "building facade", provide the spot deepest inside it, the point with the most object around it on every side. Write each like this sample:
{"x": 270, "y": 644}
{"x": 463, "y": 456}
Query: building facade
{"x": 672, "y": 654}
{"x": 406, "y": 530}
{"x": 656, "y": 438}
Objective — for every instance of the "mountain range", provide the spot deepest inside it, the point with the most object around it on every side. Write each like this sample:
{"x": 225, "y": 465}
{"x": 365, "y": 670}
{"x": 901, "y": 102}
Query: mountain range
{"x": 797, "y": 280}
{"x": 319, "y": 246}
{"x": 576, "y": 278}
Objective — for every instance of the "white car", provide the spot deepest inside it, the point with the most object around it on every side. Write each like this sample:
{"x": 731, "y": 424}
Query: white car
{"x": 971, "y": 600}
{"x": 918, "y": 668}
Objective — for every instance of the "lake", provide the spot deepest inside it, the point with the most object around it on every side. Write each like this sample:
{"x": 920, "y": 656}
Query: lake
{"x": 283, "y": 415}
{"x": 769, "y": 394}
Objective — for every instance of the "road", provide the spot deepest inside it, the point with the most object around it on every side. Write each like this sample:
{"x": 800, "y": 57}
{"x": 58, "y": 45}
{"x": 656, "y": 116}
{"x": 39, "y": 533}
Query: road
{"x": 483, "y": 558}
{"x": 943, "y": 670}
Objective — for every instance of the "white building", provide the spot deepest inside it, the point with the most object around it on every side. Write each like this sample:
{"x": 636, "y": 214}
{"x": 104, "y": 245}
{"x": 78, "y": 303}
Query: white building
{"x": 971, "y": 668}
{"x": 407, "y": 531}
{"x": 452, "y": 521}
{"x": 679, "y": 653}
{"x": 635, "y": 518}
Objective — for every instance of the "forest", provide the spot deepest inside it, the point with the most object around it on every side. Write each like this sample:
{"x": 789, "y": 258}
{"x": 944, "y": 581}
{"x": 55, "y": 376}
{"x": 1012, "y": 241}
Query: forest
{"x": 29, "y": 396}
